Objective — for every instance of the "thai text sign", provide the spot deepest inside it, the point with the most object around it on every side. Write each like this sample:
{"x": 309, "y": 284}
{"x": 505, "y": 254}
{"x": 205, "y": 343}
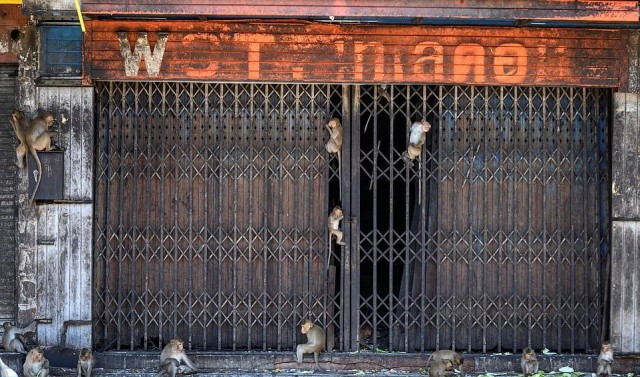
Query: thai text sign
{"x": 206, "y": 51}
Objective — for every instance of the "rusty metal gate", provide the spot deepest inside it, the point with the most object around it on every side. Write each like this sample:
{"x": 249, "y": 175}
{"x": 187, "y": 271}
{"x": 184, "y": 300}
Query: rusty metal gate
{"x": 212, "y": 201}
{"x": 493, "y": 240}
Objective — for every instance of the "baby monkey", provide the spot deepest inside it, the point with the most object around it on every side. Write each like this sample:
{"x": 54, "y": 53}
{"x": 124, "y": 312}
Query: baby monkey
{"x": 417, "y": 137}
{"x": 529, "y": 362}
{"x": 605, "y": 359}
{"x": 366, "y": 333}
{"x": 441, "y": 368}
{"x": 334, "y": 144}
{"x": 315, "y": 341}
{"x": 85, "y": 363}
{"x": 334, "y": 225}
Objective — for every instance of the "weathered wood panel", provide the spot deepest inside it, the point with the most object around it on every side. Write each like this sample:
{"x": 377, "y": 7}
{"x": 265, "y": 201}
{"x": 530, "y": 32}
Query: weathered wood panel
{"x": 582, "y": 10}
{"x": 345, "y": 53}
{"x": 64, "y": 271}
{"x": 8, "y": 181}
{"x": 626, "y": 156}
{"x": 49, "y": 7}
{"x": 64, "y": 231}
{"x": 625, "y": 284}
{"x": 73, "y": 108}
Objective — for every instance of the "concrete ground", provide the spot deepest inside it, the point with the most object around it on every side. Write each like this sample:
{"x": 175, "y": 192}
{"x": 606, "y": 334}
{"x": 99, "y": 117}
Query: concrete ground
{"x": 251, "y": 363}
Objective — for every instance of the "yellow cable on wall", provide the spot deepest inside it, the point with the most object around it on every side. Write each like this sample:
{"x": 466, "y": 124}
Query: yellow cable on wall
{"x": 79, "y": 15}
{"x": 17, "y": 2}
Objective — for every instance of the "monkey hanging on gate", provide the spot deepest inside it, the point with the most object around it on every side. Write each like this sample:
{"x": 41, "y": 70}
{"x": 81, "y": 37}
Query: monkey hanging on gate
{"x": 417, "y": 137}
{"x": 334, "y": 144}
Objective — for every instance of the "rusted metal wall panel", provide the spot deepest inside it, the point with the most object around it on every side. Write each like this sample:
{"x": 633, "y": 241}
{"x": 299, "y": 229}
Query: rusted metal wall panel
{"x": 11, "y": 18}
{"x": 73, "y": 108}
{"x": 584, "y": 10}
{"x": 338, "y": 53}
{"x": 63, "y": 268}
{"x": 625, "y": 283}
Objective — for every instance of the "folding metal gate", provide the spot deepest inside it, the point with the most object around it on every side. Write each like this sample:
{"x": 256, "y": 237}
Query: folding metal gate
{"x": 493, "y": 241}
{"x": 212, "y": 201}
{"x": 210, "y": 210}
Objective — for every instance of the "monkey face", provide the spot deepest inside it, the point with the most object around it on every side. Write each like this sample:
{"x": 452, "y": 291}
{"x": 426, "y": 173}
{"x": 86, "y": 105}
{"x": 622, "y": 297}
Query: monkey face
{"x": 426, "y": 126}
{"x": 178, "y": 345}
{"x": 49, "y": 119}
{"x": 305, "y": 327}
{"x": 334, "y": 122}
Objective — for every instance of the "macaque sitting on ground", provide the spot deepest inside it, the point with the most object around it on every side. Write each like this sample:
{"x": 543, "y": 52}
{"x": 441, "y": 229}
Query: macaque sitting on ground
{"x": 172, "y": 358}
{"x": 35, "y": 364}
{"x": 315, "y": 341}
{"x": 605, "y": 359}
{"x": 85, "y": 363}
{"x": 529, "y": 362}
{"x": 453, "y": 357}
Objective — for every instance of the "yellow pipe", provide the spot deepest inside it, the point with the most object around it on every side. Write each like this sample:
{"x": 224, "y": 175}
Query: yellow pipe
{"x": 80, "y": 16}
{"x": 17, "y": 2}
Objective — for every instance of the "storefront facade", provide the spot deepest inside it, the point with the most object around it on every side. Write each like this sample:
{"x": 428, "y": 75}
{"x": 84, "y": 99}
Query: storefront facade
{"x": 212, "y": 184}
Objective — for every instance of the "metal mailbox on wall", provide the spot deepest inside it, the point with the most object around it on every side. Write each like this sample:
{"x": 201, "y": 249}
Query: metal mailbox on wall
{"x": 52, "y": 180}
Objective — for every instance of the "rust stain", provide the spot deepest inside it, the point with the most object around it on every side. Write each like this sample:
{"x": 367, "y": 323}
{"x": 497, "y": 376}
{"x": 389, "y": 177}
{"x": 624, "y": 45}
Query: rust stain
{"x": 334, "y": 53}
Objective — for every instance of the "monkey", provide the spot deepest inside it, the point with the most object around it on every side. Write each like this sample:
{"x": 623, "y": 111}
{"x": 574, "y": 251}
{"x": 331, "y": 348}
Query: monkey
{"x": 605, "y": 359}
{"x": 529, "y": 362}
{"x": 5, "y": 371}
{"x": 38, "y": 138}
{"x": 440, "y": 368}
{"x": 85, "y": 363}
{"x": 366, "y": 332}
{"x": 417, "y": 137}
{"x": 171, "y": 358}
{"x": 20, "y": 123}
{"x": 453, "y": 357}
{"x": 35, "y": 364}
{"x": 315, "y": 341}
{"x": 334, "y": 225}
{"x": 9, "y": 337}
{"x": 334, "y": 144}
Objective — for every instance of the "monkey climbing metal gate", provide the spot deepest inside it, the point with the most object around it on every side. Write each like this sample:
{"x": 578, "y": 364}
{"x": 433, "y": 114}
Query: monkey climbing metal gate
{"x": 494, "y": 240}
{"x": 210, "y": 214}
{"x": 212, "y": 203}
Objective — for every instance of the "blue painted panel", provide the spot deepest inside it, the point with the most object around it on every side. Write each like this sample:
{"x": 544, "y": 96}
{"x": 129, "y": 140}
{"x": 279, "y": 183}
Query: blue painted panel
{"x": 61, "y": 51}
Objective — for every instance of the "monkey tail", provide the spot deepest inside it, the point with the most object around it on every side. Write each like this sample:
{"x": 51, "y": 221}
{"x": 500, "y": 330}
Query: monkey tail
{"x": 339, "y": 179}
{"x": 35, "y": 157}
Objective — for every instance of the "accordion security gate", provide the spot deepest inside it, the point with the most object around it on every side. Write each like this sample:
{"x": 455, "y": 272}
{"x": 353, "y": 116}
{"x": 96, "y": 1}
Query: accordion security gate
{"x": 493, "y": 240}
{"x": 211, "y": 205}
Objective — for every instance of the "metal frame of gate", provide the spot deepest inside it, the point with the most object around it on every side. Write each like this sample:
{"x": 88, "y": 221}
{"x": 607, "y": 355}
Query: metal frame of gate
{"x": 494, "y": 240}
{"x": 211, "y": 205}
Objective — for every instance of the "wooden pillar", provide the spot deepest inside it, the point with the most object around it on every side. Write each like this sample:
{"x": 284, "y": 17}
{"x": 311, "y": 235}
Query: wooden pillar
{"x": 625, "y": 206}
